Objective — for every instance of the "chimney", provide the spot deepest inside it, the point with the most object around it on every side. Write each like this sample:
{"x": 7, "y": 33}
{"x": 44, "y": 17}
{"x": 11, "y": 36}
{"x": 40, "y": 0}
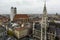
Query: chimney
{"x": 13, "y": 12}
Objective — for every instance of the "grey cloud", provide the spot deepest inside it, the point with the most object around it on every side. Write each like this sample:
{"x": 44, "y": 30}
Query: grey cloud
{"x": 29, "y": 6}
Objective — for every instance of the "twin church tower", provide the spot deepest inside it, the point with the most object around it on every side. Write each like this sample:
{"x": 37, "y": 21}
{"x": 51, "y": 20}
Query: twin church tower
{"x": 13, "y": 12}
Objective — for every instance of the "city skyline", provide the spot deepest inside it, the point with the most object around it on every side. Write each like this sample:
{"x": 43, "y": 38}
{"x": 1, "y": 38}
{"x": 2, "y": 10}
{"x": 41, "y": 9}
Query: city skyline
{"x": 26, "y": 26}
{"x": 30, "y": 6}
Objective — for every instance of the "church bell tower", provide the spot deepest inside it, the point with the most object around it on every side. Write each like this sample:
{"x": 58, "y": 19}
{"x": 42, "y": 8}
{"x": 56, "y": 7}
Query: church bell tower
{"x": 13, "y": 12}
{"x": 44, "y": 23}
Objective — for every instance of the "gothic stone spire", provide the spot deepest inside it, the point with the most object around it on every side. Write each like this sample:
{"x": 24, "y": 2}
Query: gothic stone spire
{"x": 44, "y": 10}
{"x": 44, "y": 23}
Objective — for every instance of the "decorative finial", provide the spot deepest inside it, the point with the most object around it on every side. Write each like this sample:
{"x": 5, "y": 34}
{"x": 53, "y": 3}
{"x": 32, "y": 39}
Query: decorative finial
{"x": 44, "y": 10}
{"x": 44, "y": 2}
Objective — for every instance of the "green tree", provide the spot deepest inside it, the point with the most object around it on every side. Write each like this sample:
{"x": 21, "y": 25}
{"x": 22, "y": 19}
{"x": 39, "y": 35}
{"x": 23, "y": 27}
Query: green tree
{"x": 10, "y": 33}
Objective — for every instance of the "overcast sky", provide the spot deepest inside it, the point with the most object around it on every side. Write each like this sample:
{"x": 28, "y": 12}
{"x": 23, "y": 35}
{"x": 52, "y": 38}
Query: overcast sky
{"x": 29, "y": 6}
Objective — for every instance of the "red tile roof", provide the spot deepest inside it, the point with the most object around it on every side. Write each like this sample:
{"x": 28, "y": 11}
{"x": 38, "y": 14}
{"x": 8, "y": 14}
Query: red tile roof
{"x": 21, "y": 16}
{"x": 20, "y": 28}
{"x": 4, "y": 19}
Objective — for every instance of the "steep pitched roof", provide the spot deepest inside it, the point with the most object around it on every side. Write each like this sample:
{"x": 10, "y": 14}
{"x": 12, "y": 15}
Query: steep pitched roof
{"x": 21, "y": 16}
